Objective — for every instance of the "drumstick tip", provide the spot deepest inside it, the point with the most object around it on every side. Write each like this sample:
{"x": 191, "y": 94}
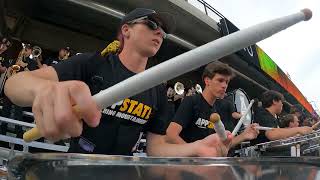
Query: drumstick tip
{"x": 307, "y": 14}
{"x": 31, "y": 135}
{"x": 214, "y": 117}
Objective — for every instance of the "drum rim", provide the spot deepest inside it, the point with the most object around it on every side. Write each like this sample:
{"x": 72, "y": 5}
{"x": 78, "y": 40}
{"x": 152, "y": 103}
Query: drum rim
{"x": 20, "y": 165}
{"x": 134, "y": 160}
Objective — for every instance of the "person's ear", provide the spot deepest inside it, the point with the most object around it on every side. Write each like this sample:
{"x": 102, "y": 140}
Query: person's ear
{"x": 206, "y": 81}
{"x": 125, "y": 30}
{"x": 274, "y": 101}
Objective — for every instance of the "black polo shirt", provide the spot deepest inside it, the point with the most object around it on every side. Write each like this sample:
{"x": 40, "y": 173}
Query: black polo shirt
{"x": 266, "y": 119}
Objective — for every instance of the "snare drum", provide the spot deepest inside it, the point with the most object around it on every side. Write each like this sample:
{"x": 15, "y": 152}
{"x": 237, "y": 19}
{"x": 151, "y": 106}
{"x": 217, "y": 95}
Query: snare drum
{"x": 84, "y": 167}
{"x": 241, "y": 102}
{"x": 307, "y": 145}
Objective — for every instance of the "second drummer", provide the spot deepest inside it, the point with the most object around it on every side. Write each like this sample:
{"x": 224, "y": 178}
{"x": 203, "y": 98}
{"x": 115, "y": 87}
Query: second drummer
{"x": 191, "y": 121}
{"x": 267, "y": 116}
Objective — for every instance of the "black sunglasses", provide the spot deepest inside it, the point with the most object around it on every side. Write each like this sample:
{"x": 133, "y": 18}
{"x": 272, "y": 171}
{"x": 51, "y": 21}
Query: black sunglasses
{"x": 153, "y": 25}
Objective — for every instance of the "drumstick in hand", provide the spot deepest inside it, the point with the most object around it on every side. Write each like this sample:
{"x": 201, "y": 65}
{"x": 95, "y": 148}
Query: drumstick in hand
{"x": 261, "y": 128}
{"x": 243, "y": 117}
{"x": 34, "y": 133}
{"x": 218, "y": 126}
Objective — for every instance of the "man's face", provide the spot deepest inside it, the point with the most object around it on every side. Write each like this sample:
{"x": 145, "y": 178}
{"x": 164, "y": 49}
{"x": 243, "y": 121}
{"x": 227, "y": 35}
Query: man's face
{"x": 143, "y": 38}
{"x": 28, "y": 52}
{"x": 4, "y": 44}
{"x": 170, "y": 92}
{"x": 295, "y": 122}
{"x": 3, "y": 47}
{"x": 217, "y": 85}
{"x": 278, "y": 106}
{"x": 63, "y": 53}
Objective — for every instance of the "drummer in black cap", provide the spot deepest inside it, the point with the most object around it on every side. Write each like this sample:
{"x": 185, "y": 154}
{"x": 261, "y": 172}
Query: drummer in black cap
{"x": 53, "y": 90}
{"x": 64, "y": 53}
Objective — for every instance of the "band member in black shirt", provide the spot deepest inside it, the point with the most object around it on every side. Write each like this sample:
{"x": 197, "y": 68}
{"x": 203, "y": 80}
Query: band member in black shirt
{"x": 191, "y": 121}
{"x": 64, "y": 53}
{"x": 289, "y": 121}
{"x": 54, "y": 89}
{"x": 267, "y": 116}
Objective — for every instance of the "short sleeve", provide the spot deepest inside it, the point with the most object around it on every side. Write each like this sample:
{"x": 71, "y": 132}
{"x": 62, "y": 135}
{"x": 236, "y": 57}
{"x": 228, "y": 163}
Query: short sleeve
{"x": 75, "y": 68}
{"x": 263, "y": 120}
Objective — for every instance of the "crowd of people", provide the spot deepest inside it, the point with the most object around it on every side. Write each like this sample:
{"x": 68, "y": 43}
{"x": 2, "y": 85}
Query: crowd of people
{"x": 29, "y": 59}
{"x": 52, "y": 87}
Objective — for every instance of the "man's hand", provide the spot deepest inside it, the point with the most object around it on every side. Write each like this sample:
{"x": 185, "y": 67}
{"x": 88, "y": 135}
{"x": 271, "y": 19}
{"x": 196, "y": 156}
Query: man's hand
{"x": 212, "y": 146}
{"x": 305, "y": 130}
{"x": 54, "y": 113}
{"x": 251, "y": 132}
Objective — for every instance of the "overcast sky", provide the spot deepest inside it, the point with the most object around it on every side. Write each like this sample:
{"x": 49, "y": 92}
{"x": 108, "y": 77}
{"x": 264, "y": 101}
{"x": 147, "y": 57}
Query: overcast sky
{"x": 296, "y": 50}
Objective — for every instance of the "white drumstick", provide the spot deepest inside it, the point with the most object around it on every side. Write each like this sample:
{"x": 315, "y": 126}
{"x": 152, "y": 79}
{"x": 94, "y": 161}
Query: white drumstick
{"x": 218, "y": 126}
{"x": 191, "y": 60}
{"x": 240, "y": 122}
{"x": 196, "y": 58}
{"x": 261, "y": 128}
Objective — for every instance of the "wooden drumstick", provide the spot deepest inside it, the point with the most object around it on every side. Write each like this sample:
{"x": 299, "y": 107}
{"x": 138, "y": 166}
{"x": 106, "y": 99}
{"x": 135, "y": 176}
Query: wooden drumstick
{"x": 34, "y": 133}
{"x": 193, "y": 59}
{"x": 218, "y": 126}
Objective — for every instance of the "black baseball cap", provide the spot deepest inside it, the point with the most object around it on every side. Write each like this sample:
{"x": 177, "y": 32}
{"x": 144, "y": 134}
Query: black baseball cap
{"x": 166, "y": 19}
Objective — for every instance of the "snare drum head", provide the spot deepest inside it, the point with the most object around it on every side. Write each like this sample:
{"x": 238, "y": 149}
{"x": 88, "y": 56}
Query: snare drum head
{"x": 84, "y": 167}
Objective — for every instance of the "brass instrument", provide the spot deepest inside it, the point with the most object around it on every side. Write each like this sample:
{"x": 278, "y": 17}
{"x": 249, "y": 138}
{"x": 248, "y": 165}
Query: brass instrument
{"x": 36, "y": 51}
{"x": 21, "y": 59}
{"x": 36, "y": 55}
{"x": 15, "y": 68}
{"x": 198, "y": 89}
{"x": 179, "y": 88}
